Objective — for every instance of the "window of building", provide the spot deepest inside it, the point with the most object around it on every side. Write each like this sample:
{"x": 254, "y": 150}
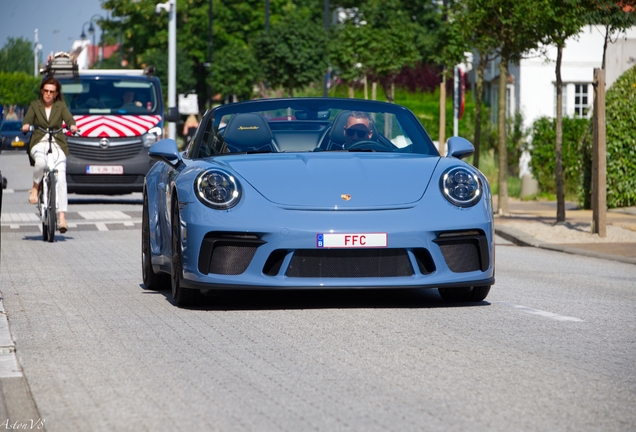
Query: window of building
{"x": 581, "y": 100}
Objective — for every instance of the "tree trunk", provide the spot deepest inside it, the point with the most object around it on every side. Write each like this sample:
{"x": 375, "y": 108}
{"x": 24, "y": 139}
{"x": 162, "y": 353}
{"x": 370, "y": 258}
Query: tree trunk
{"x": 351, "y": 93}
{"x": 366, "y": 87}
{"x": 374, "y": 90}
{"x": 479, "y": 90}
{"x": 502, "y": 203}
{"x": 442, "y": 114}
{"x": 558, "y": 149}
{"x": 607, "y": 35}
{"x": 389, "y": 91}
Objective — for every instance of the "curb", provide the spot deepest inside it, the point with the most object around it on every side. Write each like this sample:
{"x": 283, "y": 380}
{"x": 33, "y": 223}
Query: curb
{"x": 520, "y": 238}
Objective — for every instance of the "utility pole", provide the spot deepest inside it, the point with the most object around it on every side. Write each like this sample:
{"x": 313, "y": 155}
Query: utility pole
{"x": 599, "y": 157}
{"x": 171, "y": 7}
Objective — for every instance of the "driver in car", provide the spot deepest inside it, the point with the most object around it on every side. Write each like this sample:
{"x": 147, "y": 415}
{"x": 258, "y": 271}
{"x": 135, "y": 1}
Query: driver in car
{"x": 358, "y": 128}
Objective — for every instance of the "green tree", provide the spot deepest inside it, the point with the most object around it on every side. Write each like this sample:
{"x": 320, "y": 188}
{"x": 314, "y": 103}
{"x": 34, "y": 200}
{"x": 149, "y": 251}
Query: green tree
{"x": 484, "y": 46}
{"x": 292, "y": 52}
{"x": 18, "y": 88}
{"x": 563, "y": 20}
{"x": 235, "y": 61}
{"x": 450, "y": 46}
{"x": 346, "y": 48}
{"x": 613, "y": 15}
{"x": 517, "y": 26}
{"x": 17, "y": 56}
{"x": 391, "y": 41}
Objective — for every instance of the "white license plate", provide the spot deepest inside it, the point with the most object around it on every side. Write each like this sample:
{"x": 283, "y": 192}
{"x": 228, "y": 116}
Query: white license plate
{"x": 353, "y": 240}
{"x": 104, "y": 169}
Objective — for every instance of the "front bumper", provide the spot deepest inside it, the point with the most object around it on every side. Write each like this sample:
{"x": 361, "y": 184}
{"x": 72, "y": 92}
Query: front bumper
{"x": 450, "y": 248}
{"x": 130, "y": 155}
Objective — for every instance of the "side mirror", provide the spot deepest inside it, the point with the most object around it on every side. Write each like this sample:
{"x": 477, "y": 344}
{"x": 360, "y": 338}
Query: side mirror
{"x": 172, "y": 115}
{"x": 459, "y": 147}
{"x": 166, "y": 151}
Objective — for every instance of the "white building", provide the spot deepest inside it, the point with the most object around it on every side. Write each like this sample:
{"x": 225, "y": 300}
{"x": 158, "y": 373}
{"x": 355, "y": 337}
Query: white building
{"x": 531, "y": 88}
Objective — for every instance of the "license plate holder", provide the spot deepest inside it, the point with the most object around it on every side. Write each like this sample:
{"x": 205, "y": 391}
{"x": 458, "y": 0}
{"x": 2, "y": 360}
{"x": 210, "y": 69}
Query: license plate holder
{"x": 105, "y": 169}
{"x": 352, "y": 240}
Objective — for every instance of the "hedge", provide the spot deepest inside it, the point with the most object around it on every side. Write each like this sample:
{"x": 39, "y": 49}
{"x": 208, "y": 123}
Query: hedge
{"x": 543, "y": 162}
{"x": 620, "y": 115}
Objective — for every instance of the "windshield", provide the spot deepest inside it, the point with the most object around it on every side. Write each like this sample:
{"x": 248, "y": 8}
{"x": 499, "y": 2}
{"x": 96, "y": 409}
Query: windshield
{"x": 310, "y": 124}
{"x": 107, "y": 95}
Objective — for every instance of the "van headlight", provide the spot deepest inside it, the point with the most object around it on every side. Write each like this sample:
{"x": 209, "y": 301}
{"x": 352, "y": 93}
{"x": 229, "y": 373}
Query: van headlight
{"x": 461, "y": 187}
{"x": 217, "y": 189}
{"x": 152, "y": 136}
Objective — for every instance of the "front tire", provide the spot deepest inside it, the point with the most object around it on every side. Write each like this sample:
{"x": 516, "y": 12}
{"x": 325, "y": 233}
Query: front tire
{"x": 51, "y": 211}
{"x": 183, "y": 297}
{"x": 152, "y": 281}
{"x": 456, "y": 295}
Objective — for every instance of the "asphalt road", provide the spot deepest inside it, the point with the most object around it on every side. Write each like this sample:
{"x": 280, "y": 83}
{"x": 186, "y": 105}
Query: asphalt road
{"x": 551, "y": 348}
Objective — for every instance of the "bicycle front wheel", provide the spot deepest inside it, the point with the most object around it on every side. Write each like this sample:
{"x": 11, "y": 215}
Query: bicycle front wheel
{"x": 51, "y": 211}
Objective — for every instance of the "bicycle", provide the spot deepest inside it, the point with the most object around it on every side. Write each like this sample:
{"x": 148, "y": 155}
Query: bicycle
{"x": 47, "y": 192}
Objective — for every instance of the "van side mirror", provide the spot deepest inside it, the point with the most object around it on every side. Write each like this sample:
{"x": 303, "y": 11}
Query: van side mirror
{"x": 172, "y": 115}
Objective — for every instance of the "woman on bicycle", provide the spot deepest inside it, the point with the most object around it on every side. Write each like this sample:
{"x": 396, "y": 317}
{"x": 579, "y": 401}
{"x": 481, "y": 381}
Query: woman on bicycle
{"x": 49, "y": 111}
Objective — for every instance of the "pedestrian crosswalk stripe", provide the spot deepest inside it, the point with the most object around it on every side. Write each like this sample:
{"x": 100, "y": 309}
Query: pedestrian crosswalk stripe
{"x": 93, "y": 215}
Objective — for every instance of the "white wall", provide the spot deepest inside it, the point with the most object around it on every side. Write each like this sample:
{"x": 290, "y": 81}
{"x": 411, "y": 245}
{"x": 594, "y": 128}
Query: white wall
{"x": 538, "y": 76}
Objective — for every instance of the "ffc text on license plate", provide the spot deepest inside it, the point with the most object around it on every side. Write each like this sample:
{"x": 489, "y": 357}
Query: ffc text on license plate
{"x": 353, "y": 240}
{"x": 104, "y": 169}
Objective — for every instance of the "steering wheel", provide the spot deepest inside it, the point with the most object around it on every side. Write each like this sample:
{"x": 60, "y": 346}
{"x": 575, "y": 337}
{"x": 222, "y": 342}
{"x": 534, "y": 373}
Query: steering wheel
{"x": 371, "y": 145}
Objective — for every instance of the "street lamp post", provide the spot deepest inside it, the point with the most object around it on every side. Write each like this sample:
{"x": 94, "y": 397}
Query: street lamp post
{"x": 36, "y": 48}
{"x": 171, "y": 7}
{"x": 91, "y": 31}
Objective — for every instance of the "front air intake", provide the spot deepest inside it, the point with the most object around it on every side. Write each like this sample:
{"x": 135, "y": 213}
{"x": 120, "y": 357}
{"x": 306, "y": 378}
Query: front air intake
{"x": 349, "y": 263}
{"x": 464, "y": 251}
{"x": 227, "y": 253}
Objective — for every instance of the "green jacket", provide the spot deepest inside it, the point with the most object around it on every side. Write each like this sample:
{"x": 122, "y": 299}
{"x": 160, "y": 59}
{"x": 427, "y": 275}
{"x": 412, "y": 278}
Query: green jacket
{"x": 36, "y": 116}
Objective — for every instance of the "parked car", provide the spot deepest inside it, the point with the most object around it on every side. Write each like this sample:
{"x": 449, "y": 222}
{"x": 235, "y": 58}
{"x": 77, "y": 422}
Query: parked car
{"x": 11, "y": 137}
{"x": 297, "y": 194}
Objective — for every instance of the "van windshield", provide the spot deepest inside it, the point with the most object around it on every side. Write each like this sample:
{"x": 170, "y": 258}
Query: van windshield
{"x": 110, "y": 96}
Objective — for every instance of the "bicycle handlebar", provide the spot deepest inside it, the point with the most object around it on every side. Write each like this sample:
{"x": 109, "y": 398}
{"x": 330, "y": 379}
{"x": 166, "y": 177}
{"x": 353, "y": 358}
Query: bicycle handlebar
{"x": 51, "y": 130}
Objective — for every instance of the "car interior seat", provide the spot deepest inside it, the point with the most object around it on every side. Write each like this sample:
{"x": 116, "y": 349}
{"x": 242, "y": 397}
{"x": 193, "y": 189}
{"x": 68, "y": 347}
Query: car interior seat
{"x": 249, "y": 132}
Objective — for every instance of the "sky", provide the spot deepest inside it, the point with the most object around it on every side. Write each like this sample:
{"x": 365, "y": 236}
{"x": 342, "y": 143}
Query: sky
{"x": 59, "y": 22}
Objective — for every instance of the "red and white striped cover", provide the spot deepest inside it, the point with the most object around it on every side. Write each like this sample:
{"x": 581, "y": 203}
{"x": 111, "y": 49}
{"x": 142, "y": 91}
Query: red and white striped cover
{"x": 111, "y": 126}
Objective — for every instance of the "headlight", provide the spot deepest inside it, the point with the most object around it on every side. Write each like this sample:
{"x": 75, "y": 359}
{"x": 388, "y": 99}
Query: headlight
{"x": 461, "y": 187}
{"x": 217, "y": 189}
{"x": 151, "y": 137}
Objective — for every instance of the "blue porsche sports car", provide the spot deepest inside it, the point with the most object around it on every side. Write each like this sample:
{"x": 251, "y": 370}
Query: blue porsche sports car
{"x": 315, "y": 193}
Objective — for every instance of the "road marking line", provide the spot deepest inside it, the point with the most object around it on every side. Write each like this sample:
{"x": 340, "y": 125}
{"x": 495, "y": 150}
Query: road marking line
{"x": 92, "y": 215}
{"x": 101, "y": 226}
{"x": 540, "y": 312}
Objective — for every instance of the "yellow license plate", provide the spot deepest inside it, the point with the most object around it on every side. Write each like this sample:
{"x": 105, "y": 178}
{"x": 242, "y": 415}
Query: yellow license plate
{"x": 17, "y": 143}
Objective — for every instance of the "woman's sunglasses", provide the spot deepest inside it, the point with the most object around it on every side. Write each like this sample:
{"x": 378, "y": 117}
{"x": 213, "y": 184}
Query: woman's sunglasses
{"x": 359, "y": 133}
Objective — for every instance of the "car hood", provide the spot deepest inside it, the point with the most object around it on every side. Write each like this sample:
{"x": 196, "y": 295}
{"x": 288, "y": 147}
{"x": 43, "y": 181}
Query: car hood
{"x": 336, "y": 180}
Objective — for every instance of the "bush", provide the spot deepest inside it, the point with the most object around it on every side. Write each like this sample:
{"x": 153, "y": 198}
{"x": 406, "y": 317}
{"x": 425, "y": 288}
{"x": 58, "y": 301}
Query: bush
{"x": 18, "y": 88}
{"x": 543, "y": 154}
{"x": 620, "y": 109}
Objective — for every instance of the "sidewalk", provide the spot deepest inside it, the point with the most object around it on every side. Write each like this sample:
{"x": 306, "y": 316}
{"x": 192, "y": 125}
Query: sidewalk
{"x": 533, "y": 223}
